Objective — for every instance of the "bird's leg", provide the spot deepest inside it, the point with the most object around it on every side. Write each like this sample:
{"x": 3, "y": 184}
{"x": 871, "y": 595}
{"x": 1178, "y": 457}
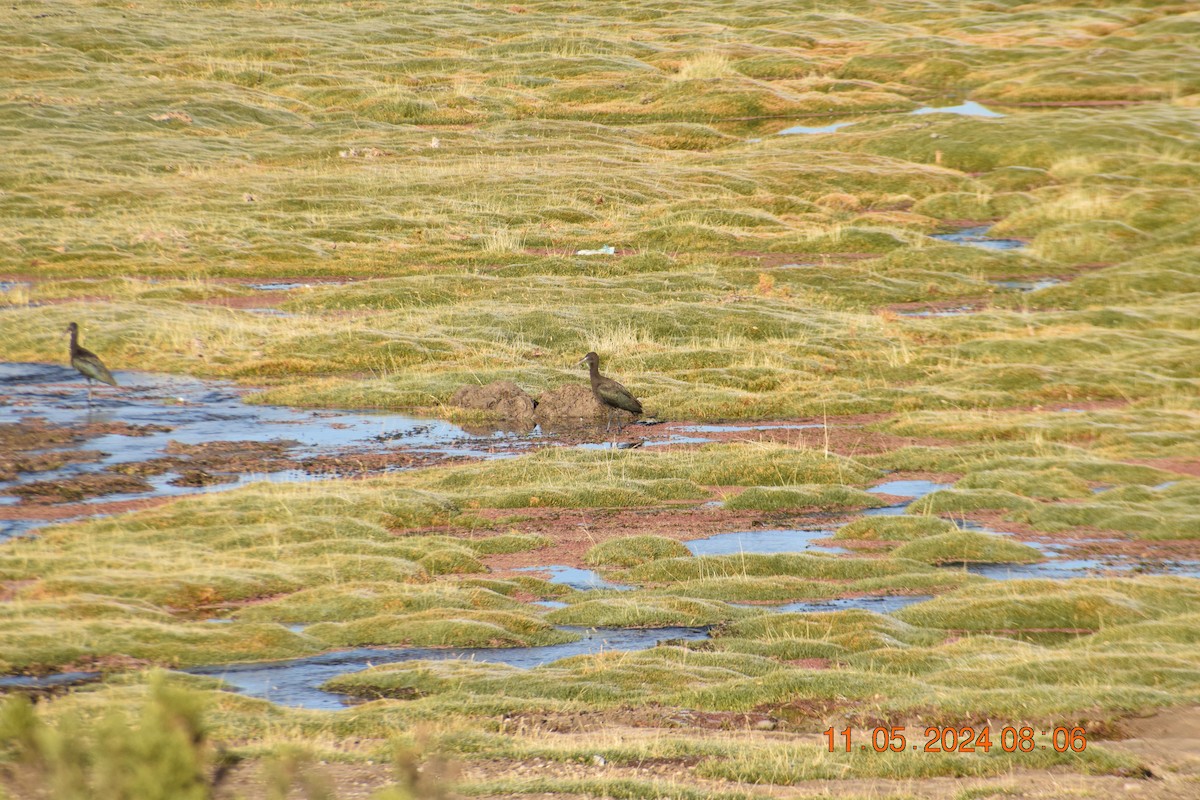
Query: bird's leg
{"x": 89, "y": 380}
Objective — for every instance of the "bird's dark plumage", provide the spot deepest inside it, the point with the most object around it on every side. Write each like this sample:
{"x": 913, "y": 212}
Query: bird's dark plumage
{"x": 88, "y": 363}
{"x": 608, "y": 392}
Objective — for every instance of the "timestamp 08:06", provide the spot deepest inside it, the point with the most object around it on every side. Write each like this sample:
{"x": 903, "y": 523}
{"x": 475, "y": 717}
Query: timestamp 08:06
{"x": 937, "y": 739}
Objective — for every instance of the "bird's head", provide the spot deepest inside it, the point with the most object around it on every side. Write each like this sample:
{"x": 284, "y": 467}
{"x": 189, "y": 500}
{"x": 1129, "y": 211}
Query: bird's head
{"x": 589, "y": 359}
{"x": 72, "y": 328}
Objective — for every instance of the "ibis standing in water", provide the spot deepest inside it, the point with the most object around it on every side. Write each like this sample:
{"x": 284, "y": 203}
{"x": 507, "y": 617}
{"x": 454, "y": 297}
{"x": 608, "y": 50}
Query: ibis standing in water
{"x": 88, "y": 363}
{"x": 609, "y": 393}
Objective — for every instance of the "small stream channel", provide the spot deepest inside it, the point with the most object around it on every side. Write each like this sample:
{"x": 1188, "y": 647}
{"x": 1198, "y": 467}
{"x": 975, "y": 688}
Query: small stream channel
{"x": 195, "y": 412}
{"x": 158, "y": 417}
{"x": 151, "y": 411}
{"x": 969, "y": 108}
{"x": 296, "y": 682}
{"x": 978, "y": 237}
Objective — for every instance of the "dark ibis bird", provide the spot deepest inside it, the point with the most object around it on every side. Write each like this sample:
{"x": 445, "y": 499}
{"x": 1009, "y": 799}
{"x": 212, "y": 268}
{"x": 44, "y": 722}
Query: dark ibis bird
{"x": 609, "y": 393}
{"x": 88, "y": 363}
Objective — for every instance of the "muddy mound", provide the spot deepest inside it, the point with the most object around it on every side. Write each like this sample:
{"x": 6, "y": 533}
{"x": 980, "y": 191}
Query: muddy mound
{"x": 80, "y": 487}
{"x": 575, "y": 402}
{"x": 502, "y": 398}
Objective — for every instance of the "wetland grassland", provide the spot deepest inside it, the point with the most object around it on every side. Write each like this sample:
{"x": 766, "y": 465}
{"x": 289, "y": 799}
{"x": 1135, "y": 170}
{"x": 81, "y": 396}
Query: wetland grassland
{"x": 962, "y": 474}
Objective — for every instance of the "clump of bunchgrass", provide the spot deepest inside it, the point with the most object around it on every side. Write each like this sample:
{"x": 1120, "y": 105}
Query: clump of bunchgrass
{"x": 1028, "y": 606}
{"x": 901, "y": 528}
{"x": 451, "y": 561}
{"x": 629, "y": 551}
{"x": 963, "y": 501}
{"x": 967, "y": 547}
{"x": 441, "y": 627}
{"x": 1050, "y": 484}
{"x": 342, "y": 602}
{"x": 802, "y": 497}
{"x": 796, "y": 565}
{"x": 641, "y": 611}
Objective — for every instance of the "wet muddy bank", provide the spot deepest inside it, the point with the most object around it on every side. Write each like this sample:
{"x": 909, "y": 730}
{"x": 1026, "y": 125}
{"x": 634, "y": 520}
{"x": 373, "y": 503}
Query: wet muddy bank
{"x": 164, "y": 436}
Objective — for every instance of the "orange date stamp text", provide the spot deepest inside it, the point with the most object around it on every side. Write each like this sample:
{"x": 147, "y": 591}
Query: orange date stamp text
{"x": 938, "y": 739}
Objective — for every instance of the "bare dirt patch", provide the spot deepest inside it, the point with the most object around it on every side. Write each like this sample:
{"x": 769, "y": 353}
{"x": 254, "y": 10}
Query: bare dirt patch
{"x": 48, "y": 513}
{"x": 1141, "y": 550}
{"x": 503, "y": 398}
{"x": 575, "y": 402}
{"x": 1183, "y": 466}
{"x": 247, "y": 301}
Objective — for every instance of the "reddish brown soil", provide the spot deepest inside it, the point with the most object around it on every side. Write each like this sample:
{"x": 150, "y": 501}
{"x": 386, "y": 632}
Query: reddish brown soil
{"x": 575, "y": 531}
{"x": 967, "y": 305}
{"x": 256, "y": 300}
{"x": 1183, "y": 466}
{"x": 71, "y": 510}
{"x": 81, "y": 487}
{"x": 1140, "y": 550}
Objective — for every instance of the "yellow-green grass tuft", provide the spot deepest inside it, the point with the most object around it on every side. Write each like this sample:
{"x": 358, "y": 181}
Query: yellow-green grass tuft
{"x": 640, "y": 611}
{"x": 441, "y": 627}
{"x": 967, "y": 547}
{"x": 802, "y": 497}
{"x": 894, "y": 528}
{"x": 629, "y": 551}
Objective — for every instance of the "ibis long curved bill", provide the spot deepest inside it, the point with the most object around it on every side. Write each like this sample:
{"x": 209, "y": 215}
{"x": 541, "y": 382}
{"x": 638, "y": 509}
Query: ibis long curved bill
{"x": 88, "y": 363}
{"x": 609, "y": 393}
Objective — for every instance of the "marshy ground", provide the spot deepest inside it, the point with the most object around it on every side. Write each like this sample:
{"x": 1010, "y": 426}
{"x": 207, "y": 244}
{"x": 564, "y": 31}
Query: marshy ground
{"x": 914, "y": 289}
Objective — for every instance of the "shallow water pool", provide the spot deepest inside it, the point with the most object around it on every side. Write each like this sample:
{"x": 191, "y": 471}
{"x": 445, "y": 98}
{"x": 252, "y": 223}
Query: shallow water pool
{"x": 296, "y": 682}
